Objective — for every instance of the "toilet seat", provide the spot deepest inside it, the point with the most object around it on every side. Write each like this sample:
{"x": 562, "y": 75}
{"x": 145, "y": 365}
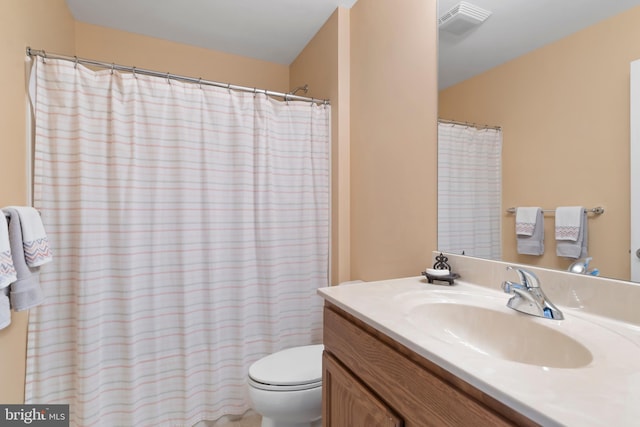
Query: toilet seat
{"x": 296, "y": 387}
{"x": 297, "y": 368}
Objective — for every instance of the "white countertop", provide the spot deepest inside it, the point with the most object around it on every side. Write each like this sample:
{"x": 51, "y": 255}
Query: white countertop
{"x": 605, "y": 392}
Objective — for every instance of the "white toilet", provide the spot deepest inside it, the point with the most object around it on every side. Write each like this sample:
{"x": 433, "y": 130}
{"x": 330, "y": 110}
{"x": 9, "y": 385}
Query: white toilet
{"x": 286, "y": 387}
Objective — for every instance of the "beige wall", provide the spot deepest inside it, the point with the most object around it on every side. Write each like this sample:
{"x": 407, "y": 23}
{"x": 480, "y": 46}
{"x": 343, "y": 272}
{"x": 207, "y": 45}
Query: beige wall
{"x": 35, "y": 23}
{"x": 564, "y": 110}
{"x": 384, "y": 134}
{"x": 393, "y": 137}
{"x": 131, "y": 49}
{"x": 324, "y": 66}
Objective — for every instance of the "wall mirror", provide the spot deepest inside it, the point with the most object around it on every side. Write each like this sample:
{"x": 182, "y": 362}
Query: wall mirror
{"x": 555, "y": 78}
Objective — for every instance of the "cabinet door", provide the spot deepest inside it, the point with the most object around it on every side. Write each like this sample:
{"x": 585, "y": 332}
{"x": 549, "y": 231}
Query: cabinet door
{"x": 346, "y": 402}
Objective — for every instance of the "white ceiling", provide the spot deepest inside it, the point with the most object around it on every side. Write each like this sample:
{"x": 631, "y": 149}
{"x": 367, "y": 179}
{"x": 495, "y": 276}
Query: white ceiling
{"x": 271, "y": 30}
{"x": 277, "y": 30}
{"x": 515, "y": 27}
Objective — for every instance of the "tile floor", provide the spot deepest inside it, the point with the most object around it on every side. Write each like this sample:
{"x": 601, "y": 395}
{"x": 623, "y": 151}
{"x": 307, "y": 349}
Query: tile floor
{"x": 250, "y": 419}
{"x": 246, "y": 421}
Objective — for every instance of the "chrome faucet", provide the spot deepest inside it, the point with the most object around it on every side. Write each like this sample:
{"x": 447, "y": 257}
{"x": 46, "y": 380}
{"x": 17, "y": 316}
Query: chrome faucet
{"x": 528, "y": 296}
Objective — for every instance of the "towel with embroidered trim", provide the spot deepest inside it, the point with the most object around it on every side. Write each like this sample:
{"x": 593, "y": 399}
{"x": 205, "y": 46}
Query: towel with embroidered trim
{"x": 530, "y": 230}
{"x": 7, "y": 270}
{"x": 34, "y": 238}
{"x": 25, "y": 292}
{"x": 571, "y": 232}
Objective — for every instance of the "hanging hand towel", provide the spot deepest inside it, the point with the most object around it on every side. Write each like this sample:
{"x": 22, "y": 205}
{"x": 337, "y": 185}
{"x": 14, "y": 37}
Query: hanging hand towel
{"x": 34, "y": 238}
{"x": 5, "y": 308}
{"x": 571, "y": 232}
{"x": 25, "y": 291}
{"x": 7, "y": 270}
{"x": 530, "y": 231}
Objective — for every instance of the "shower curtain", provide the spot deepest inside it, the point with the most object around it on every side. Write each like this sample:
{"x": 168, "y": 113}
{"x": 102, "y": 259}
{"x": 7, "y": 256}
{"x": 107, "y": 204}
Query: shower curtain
{"x": 469, "y": 190}
{"x": 190, "y": 226}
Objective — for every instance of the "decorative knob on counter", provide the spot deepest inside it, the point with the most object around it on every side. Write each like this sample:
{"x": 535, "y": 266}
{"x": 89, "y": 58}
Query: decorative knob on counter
{"x": 441, "y": 263}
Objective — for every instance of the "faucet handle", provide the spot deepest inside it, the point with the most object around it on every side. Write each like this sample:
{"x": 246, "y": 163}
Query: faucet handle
{"x": 527, "y": 278}
{"x": 508, "y": 286}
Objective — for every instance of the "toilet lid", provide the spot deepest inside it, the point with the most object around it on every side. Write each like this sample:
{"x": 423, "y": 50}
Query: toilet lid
{"x": 293, "y": 366}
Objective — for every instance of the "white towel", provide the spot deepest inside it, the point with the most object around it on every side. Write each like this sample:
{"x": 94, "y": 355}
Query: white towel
{"x": 571, "y": 232}
{"x": 7, "y": 270}
{"x": 25, "y": 291}
{"x": 530, "y": 231}
{"x": 34, "y": 238}
{"x": 568, "y": 222}
{"x": 526, "y": 218}
{"x": 5, "y": 309}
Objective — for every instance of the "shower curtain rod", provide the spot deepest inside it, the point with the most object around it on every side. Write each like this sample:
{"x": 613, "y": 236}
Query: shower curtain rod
{"x": 467, "y": 124}
{"x": 286, "y": 96}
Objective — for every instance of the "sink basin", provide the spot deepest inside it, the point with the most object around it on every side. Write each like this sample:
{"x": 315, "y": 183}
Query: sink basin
{"x": 502, "y": 334}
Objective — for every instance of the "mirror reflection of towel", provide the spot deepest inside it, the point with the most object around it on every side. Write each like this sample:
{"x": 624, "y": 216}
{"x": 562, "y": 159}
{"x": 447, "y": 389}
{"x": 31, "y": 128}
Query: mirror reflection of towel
{"x": 530, "y": 230}
{"x": 571, "y": 232}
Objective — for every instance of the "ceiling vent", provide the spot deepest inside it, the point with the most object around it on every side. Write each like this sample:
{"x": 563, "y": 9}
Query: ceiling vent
{"x": 462, "y": 17}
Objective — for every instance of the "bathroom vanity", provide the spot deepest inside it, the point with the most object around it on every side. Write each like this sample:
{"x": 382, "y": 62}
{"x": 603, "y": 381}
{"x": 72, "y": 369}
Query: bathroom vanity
{"x": 371, "y": 380}
{"x": 407, "y": 353}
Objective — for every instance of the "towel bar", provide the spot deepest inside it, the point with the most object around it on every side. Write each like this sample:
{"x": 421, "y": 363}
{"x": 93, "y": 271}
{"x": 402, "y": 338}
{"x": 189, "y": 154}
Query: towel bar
{"x": 599, "y": 210}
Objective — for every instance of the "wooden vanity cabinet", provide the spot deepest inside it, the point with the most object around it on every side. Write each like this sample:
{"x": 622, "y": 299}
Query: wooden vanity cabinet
{"x": 370, "y": 380}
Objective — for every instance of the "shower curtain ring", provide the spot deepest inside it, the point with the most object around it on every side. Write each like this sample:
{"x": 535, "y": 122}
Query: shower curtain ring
{"x": 44, "y": 56}
{"x": 75, "y": 65}
{"x": 200, "y": 82}
{"x": 229, "y": 87}
{"x": 169, "y": 78}
{"x": 133, "y": 70}
{"x": 113, "y": 66}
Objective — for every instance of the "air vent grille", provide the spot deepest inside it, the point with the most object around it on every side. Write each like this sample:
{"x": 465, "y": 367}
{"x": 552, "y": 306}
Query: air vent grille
{"x": 462, "y": 17}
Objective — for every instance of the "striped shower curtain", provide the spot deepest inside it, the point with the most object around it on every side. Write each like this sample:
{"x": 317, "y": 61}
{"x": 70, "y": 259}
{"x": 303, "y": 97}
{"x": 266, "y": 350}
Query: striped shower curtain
{"x": 191, "y": 230}
{"x": 469, "y": 190}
